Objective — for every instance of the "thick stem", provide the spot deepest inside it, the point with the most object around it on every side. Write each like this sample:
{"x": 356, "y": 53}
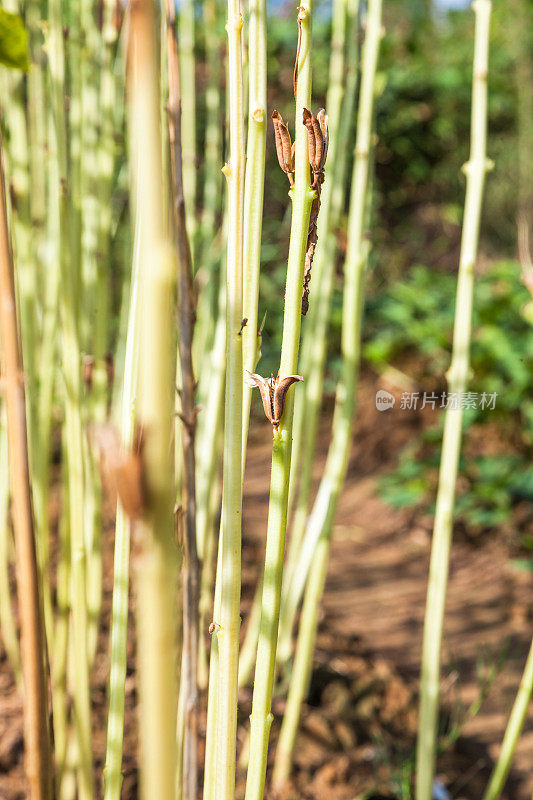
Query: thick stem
{"x": 156, "y": 556}
{"x": 475, "y": 171}
{"x": 302, "y": 198}
{"x": 37, "y": 738}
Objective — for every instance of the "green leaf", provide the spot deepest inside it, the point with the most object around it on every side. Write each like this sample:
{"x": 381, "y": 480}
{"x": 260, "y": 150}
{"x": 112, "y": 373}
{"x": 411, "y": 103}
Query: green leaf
{"x": 13, "y": 41}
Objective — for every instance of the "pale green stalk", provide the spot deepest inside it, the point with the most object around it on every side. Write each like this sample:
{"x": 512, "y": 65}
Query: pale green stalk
{"x": 307, "y": 403}
{"x": 512, "y": 732}
{"x": 119, "y": 611}
{"x": 37, "y": 126}
{"x": 338, "y": 454}
{"x": 303, "y": 662}
{"x": 302, "y": 198}
{"x": 457, "y": 377}
{"x": 211, "y": 761}
{"x": 73, "y": 422}
{"x": 253, "y": 196}
{"x": 208, "y": 450}
{"x": 7, "y": 617}
{"x": 230, "y": 575}
{"x": 323, "y": 513}
{"x": 188, "y": 113}
{"x": 212, "y": 194}
{"x": 157, "y": 557}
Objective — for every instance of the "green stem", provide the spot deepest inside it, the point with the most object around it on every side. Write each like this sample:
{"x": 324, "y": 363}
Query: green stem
{"x": 302, "y": 198}
{"x": 229, "y": 622}
{"x": 253, "y": 195}
{"x": 314, "y": 344}
{"x": 315, "y": 548}
{"x": 188, "y": 116}
{"x": 457, "y": 376}
{"x": 326, "y": 500}
{"x": 512, "y": 732}
{"x": 119, "y": 611}
{"x": 73, "y": 422}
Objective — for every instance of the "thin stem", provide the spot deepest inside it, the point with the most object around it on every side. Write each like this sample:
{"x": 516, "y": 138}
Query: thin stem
{"x": 230, "y": 575}
{"x": 457, "y": 376}
{"x": 512, "y": 732}
{"x": 186, "y": 315}
{"x": 323, "y": 514}
{"x": 314, "y": 344}
{"x": 73, "y": 422}
{"x": 325, "y": 503}
{"x": 188, "y": 118}
{"x": 302, "y": 198}
{"x": 253, "y": 195}
{"x": 37, "y": 737}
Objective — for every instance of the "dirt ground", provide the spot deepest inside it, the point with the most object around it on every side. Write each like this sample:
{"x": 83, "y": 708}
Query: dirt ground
{"x": 359, "y": 724}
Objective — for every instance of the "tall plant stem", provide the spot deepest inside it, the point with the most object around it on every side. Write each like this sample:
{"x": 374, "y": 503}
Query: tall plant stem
{"x": 186, "y": 317}
{"x": 7, "y": 614}
{"x": 253, "y": 195}
{"x": 302, "y": 198}
{"x": 73, "y": 422}
{"x": 341, "y": 95}
{"x": 37, "y": 739}
{"x": 188, "y": 118}
{"x": 512, "y": 732}
{"x": 213, "y": 134}
{"x": 156, "y": 558}
{"x": 457, "y": 376}
{"x": 119, "y": 612}
{"x": 325, "y": 503}
{"x": 323, "y": 514}
{"x": 230, "y": 552}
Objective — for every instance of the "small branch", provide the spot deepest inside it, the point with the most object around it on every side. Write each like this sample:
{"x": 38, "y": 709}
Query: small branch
{"x": 186, "y": 320}
{"x": 38, "y": 757}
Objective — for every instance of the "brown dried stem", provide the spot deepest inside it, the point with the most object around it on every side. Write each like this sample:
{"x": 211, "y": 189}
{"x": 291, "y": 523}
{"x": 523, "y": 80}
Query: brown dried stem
{"x": 186, "y": 319}
{"x": 37, "y": 739}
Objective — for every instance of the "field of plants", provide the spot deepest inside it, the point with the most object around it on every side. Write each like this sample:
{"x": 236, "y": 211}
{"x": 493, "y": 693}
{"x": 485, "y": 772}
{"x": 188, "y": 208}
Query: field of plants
{"x": 266, "y": 407}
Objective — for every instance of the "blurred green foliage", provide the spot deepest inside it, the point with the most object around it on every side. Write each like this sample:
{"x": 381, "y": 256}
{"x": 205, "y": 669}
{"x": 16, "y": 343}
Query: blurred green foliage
{"x": 410, "y": 326}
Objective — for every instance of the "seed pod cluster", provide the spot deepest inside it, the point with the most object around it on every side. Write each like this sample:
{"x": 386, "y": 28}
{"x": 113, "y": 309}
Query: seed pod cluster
{"x": 273, "y": 394}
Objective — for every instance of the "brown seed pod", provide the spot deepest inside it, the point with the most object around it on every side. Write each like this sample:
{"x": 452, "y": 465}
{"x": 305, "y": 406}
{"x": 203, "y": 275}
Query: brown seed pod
{"x": 322, "y": 118}
{"x": 280, "y": 394}
{"x": 311, "y": 138}
{"x": 283, "y": 144}
{"x": 121, "y": 470}
{"x": 273, "y": 394}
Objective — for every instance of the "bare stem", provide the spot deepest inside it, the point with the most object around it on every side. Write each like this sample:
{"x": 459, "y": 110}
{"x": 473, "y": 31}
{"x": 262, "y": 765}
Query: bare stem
{"x": 38, "y": 756}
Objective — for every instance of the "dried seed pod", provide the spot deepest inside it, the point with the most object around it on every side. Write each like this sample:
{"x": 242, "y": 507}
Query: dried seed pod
{"x": 283, "y": 144}
{"x": 266, "y": 387}
{"x": 280, "y": 393}
{"x": 121, "y": 469}
{"x": 322, "y": 118}
{"x": 311, "y": 138}
{"x": 273, "y": 394}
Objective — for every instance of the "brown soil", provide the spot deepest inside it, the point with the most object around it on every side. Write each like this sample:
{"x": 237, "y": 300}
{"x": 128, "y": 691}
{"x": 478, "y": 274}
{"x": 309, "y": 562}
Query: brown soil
{"x": 358, "y": 726}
